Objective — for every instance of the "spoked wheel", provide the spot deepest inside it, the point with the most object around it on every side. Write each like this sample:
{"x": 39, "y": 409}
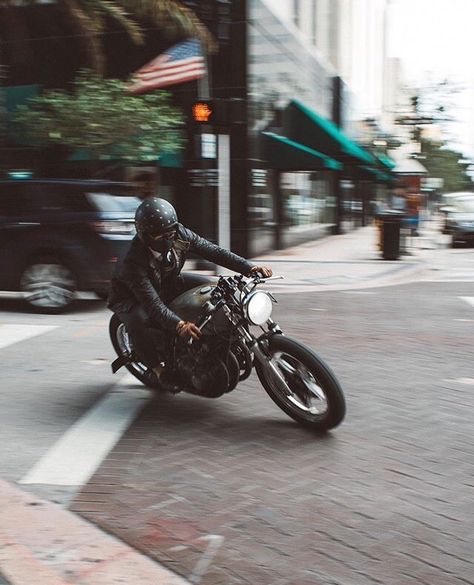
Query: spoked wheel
{"x": 301, "y": 384}
{"x": 124, "y": 347}
{"x": 48, "y": 285}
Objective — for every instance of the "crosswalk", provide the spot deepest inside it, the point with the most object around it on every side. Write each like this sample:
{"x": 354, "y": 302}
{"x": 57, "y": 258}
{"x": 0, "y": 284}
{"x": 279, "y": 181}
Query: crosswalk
{"x": 14, "y": 333}
{"x": 74, "y": 457}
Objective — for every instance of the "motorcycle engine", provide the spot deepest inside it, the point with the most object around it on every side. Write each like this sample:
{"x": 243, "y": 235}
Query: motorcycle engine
{"x": 204, "y": 368}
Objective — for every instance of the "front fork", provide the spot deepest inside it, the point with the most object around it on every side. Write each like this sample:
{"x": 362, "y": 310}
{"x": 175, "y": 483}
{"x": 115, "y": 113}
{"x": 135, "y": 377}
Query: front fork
{"x": 259, "y": 347}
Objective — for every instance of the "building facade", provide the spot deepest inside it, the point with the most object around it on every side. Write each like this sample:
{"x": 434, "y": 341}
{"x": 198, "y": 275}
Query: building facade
{"x": 287, "y": 67}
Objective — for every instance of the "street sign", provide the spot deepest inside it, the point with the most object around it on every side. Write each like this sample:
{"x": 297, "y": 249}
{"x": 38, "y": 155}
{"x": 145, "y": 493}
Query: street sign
{"x": 208, "y": 145}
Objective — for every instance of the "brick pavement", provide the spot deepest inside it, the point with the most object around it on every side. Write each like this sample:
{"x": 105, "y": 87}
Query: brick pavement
{"x": 385, "y": 498}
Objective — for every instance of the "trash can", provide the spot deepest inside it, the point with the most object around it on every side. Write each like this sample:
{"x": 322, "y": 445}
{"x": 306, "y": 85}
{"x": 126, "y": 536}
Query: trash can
{"x": 391, "y": 227}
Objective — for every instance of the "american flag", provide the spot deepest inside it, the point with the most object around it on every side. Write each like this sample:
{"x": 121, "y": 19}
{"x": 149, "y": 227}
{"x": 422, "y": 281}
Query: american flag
{"x": 182, "y": 62}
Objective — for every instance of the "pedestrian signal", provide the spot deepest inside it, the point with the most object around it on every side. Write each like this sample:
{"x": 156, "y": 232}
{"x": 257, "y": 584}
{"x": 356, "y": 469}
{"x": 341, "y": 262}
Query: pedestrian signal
{"x": 202, "y": 112}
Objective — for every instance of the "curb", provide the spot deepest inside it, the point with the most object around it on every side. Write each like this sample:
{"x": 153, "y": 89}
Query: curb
{"x": 43, "y": 544}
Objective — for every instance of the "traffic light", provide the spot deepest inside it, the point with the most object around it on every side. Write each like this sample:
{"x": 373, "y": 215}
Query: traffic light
{"x": 213, "y": 112}
{"x": 219, "y": 112}
{"x": 203, "y": 111}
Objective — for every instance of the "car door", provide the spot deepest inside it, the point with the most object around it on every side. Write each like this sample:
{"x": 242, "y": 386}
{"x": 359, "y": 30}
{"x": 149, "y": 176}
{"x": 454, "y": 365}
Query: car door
{"x": 15, "y": 226}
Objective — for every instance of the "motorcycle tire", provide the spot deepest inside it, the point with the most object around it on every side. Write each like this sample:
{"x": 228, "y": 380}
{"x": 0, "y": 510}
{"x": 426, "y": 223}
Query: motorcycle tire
{"x": 136, "y": 368}
{"x": 296, "y": 361}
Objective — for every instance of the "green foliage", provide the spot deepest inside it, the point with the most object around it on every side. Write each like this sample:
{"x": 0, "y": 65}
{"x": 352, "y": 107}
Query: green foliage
{"x": 444, "y": 163}
{"x": 101, "y": 117}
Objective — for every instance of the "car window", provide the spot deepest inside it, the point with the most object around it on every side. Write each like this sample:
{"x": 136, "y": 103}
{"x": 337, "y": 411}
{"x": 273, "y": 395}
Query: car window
{"x": 110, "y": 202}
{"x": 465, "y": 206}
{"x": 50, "y": 198}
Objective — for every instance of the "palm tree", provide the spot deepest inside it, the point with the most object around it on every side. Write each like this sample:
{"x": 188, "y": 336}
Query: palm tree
{"x": 88, "y": 17}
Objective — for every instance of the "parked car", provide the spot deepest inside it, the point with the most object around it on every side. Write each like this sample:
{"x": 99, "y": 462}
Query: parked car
{"x": 460, "y": 220}
{"x": 448, "y": 207}
{"x": 62, "y": 236}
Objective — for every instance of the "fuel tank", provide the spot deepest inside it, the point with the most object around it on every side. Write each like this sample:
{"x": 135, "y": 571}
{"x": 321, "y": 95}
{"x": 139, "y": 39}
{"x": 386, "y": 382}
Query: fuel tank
{"x": 189, "y": 305}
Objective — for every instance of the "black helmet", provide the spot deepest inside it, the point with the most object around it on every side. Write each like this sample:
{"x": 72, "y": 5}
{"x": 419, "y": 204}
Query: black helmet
{"x": 155, "y": 217}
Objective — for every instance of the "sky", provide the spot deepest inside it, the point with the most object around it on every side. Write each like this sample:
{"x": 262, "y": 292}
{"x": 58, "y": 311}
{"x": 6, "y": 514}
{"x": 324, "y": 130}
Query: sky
{"x": 435, "y": 39}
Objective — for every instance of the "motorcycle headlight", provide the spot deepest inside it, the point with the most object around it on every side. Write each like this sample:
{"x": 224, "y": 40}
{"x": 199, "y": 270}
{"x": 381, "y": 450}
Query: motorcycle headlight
{"x": 258, "y": 307}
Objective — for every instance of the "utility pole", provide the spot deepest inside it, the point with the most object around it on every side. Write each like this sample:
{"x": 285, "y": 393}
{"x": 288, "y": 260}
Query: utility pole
{"x": 3, "y": 105}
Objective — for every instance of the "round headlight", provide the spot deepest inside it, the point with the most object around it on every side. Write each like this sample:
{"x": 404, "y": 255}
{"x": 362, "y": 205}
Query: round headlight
{"x": 258, "y": 307}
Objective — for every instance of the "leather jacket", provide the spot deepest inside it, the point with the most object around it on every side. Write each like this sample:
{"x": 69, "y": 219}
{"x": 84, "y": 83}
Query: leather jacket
{"x": 141, "y": 278}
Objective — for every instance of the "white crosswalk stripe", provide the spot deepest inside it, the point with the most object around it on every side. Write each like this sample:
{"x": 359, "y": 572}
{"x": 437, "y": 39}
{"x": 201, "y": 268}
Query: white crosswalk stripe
{"x": 12, "y": 333}
{"x": 469, "y": 300}
{"x": 74, "y": 458}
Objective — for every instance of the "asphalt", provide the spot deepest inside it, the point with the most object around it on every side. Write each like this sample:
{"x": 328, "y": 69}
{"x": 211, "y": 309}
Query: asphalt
{"x": 42, "y": 543}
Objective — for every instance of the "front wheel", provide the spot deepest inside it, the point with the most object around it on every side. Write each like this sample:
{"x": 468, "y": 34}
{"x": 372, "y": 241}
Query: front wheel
{"x": 301, "y": 384}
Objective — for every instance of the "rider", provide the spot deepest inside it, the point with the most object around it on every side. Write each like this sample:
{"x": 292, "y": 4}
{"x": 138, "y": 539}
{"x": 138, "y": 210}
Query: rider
{"x": 150, "y": 277}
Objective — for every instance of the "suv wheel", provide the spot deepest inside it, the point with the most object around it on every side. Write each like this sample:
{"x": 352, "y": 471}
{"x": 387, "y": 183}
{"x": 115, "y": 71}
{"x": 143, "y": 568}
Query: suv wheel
{"x": 48, "y": 285}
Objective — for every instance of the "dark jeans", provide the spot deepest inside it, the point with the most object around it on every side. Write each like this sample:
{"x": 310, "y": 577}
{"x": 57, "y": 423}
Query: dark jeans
{"x": 150, "y": 342}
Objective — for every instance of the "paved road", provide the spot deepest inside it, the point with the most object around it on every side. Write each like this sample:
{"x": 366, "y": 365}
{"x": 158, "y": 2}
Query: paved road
{"x": 386, "y": 498}
{"x": 232, "y": 491}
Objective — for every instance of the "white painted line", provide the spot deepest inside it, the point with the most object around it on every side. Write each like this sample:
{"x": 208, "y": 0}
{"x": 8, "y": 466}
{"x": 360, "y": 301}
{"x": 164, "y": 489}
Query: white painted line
{"x": 75, "y": 457}
{"x": 469, "y": 300}
{"x": 12, "y": 333}
{"x": 468, "y": 381}
{"x": 215, "y": 542}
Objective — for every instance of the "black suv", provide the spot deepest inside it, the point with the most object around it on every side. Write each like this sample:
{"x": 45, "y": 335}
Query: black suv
{"x": 59, "y": 236}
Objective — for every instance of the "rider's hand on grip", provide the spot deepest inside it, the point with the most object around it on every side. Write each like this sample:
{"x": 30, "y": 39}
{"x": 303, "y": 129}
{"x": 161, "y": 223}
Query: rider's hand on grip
{"x": 264, "y": 271}
{"x": 188, "y": 329}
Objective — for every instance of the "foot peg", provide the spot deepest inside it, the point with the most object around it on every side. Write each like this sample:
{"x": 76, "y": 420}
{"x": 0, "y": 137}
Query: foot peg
{"x": 119, "y": 362}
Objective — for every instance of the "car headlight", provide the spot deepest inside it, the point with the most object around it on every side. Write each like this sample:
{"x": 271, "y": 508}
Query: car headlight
{"x": 258, "y": 307}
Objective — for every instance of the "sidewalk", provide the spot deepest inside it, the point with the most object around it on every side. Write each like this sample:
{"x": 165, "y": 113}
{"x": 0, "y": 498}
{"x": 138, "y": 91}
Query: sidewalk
{"x": 43, "y": 544}
{"x": 351, "y": 261}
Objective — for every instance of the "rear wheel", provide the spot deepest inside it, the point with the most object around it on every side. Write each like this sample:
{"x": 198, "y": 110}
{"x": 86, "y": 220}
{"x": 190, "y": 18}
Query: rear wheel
{"x": 48, "y": 285}
{"x": 123, "y": 346}
{"x": 301, "y": 384}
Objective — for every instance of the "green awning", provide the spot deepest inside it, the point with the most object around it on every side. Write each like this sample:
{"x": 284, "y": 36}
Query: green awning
{"x": 309, "y": 128}
{"x": 287, "y": 155}
{"x": 370, "y": 173}
{"x": 15, "y": 96}
{"x": 166, "y": 159}
{"x": 386, "y": 161}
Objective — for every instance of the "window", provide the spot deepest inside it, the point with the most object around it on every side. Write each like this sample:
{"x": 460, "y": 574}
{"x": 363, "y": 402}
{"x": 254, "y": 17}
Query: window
{"x": 110, "y": 202}
{"x": 314, "y": 21}
{"x": 296, "y": 12}
{"x": 54, "y": 197}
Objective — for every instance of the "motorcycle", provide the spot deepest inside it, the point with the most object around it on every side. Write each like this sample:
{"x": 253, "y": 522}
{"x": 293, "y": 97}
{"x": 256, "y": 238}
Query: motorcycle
{"x": 227, "y": 312}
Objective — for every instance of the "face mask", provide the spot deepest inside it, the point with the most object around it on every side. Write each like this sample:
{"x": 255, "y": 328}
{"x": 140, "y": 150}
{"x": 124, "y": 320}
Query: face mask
{"x": 163, "y": 245}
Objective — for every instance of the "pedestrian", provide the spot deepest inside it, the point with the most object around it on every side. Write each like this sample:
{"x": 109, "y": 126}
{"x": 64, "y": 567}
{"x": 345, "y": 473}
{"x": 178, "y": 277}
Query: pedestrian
{"x": 150, "y": 277}
{"x": 145, "y": 184}
{"x": 413, "y": 205}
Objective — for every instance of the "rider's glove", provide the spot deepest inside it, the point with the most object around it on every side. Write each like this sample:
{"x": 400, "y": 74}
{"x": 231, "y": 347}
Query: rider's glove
{"x": 266, "y": 271}
{"x": 188, "y": 329}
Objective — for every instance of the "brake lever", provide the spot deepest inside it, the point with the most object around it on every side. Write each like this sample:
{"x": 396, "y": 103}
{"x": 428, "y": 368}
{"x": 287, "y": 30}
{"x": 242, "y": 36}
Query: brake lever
{"x": 263, "y": 279}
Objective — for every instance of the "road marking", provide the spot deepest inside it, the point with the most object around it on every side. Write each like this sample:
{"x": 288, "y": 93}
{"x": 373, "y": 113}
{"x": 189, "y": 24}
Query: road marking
{"x": 215, "y": 542}
{"x": 12, "y": 333}
{"x": 74, "y": 458}
{"x": 468, "y": 381}
{"x": 469, "y": 300}
{"x": 359, "y": 292}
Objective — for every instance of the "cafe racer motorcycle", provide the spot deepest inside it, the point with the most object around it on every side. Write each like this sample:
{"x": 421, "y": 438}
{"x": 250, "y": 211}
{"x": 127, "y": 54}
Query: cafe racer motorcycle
{"x": 228, "y": 311}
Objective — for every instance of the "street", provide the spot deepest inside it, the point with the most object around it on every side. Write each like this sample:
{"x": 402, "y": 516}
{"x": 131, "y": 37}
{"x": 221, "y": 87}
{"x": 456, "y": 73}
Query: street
{"x": 233, "y": 491}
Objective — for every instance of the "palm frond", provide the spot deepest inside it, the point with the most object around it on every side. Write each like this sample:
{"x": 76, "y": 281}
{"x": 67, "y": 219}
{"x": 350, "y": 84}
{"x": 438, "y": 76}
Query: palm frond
{"x": 119, "y": 14}
{"x": 172, "y": 16}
